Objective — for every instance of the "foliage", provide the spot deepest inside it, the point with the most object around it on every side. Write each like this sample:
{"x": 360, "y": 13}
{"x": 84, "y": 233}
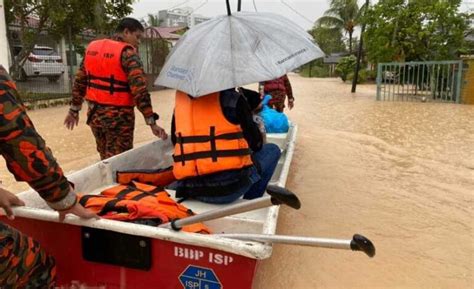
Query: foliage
{"x": 330, "y": 40}
{"x": 156, "y": 51}
{"x": 406, "y": 30}
{"x": 468, "y": 49}
{"x": 153, "y": 20}
{"x": 316, "y": 71}
{"x": 61, "y": 18}
{"x": 28, "y": 96}
{"x": 342, "y": 15}
{"x": 345, "y": 66}
{"x": 363, "y": 76}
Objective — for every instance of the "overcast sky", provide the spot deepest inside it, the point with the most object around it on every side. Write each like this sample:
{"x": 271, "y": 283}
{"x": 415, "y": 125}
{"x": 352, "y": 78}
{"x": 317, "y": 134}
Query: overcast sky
{"x": 303, "y": 12}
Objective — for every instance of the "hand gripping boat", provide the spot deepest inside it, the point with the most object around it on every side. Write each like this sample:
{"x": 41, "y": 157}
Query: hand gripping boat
{"x": 111, "y": 254}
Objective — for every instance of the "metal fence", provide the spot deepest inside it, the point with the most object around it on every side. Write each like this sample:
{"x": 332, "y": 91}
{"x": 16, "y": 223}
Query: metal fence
{"x": 438, "y": 81}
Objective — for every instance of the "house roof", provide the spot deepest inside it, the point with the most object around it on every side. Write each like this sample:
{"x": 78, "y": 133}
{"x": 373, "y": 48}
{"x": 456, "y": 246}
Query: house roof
{"x": 168, "y": 33}
{"x": 333, "y": 58}
{"x": 30, "y": 22}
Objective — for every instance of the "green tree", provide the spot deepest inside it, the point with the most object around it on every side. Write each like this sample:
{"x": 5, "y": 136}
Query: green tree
{"x": 153, "y": 20}
{"x": 330, "y": 40}
{"x": 408, "y": 30}
{"x": 468, "y": 49}
{"x": 61, "y": 18}
{"x": 346, "y": 66}
{"x": 342, "y": 15}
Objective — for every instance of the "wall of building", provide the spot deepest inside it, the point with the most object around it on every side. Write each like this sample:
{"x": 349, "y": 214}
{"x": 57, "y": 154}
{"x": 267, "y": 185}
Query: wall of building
{"x": 467, "y": 93}
{"x": 4, "y": 57}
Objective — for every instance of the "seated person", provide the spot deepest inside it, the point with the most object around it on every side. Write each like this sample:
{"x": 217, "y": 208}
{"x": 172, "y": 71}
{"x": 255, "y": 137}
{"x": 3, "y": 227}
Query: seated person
{"x": 219, "y": 154}
{"x": 272, "y": 120}
{"x": 256, "y": 104}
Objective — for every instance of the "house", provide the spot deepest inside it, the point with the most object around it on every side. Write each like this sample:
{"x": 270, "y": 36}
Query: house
{"x": 332, "y": 60}
{"x": 170, "y": 34}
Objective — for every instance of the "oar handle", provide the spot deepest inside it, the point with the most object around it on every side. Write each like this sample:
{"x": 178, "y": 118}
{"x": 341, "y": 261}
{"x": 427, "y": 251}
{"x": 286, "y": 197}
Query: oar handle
{"x": 277, "y": 196}
{"x": 358, "y": 242}
{"x": 361, "y": 243}
{"x": 283, "y": 196}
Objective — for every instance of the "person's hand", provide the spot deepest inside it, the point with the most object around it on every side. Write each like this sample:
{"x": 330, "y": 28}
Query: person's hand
{"x": 159, "y": 131}
{"x": 71, "y": 120}
{"x": 291, "y": 103}
{"x": 7, "y": 200}
{"x": 79, "y": 211}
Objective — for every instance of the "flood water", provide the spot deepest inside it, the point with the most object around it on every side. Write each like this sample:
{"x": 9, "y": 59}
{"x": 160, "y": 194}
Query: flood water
{"x": 400, "y": 173}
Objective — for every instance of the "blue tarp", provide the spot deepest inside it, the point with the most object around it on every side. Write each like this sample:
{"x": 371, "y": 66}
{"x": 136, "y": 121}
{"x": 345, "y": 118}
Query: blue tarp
{"x": 275, "y": 122}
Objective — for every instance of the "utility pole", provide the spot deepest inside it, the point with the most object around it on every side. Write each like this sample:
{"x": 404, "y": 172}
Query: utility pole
{"x": 3, "y": 38}
{"x": 359, "y": 54}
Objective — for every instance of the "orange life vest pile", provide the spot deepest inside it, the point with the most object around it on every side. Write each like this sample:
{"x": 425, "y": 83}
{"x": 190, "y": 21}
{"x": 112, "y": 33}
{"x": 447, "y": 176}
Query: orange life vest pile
{"x": 136, "y": 201}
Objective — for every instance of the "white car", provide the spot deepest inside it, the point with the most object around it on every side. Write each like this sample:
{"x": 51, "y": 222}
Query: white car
{"x": 43, "y": 61}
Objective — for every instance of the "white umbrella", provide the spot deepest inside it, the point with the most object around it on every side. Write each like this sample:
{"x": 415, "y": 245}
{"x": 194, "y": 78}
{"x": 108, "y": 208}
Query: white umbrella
{"x": 231, "y": 51}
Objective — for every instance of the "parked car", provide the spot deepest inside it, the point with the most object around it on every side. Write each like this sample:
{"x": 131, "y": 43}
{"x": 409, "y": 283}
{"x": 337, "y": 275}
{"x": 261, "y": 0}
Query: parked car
{"x": 43, "y": 61}
{"x": 390, "y": 76}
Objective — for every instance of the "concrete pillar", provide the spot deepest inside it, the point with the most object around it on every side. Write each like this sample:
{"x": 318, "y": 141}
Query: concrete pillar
{"x": 4, "y": 51}
{"x": 62, "y": 44}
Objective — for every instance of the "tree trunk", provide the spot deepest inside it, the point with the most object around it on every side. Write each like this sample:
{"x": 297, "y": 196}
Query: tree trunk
{"x": 350, "y": 42}
{"x": 29, "y": 37}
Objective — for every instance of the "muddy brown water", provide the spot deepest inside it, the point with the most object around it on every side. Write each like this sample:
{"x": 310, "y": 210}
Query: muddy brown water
{"x": 400, "y": 173}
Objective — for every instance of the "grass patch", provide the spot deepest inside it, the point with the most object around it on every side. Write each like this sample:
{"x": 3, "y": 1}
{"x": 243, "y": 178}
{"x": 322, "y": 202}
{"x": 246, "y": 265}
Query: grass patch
{"x": 37, "y": 96}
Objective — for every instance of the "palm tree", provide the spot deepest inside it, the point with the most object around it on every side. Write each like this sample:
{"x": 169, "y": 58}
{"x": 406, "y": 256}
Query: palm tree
{"x": 342, "y": 14}
{"x": 153, "y": 20}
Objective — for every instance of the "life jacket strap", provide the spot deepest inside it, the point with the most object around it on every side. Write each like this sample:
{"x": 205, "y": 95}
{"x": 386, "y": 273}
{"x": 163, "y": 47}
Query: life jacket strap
{"x": 114, "y": 85}
{"x": 206, "y": 138}
{"x": 209, "y": 154}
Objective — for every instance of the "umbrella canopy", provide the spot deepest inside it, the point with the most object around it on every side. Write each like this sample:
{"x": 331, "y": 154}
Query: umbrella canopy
{"x": 235, "y": 50}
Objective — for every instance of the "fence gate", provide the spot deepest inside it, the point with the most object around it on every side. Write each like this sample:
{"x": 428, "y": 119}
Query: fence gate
{"x": 153, "y": 52}
{"x": 438, "y": 81}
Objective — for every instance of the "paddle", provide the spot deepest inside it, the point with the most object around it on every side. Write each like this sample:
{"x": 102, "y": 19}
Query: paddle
{"x": 278, "y": 196}
{"x": 358, "y": 242}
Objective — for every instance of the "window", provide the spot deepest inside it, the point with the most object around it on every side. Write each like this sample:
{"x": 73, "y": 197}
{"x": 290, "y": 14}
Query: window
{"x": 44, "y": 51}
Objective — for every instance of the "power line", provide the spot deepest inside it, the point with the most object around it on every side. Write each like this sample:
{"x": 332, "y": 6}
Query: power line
{"x": 254, "y": 6}
{"x": 199, "y": 7}
{"x": 295, "y": 11}
{"x": 177, "y": 5}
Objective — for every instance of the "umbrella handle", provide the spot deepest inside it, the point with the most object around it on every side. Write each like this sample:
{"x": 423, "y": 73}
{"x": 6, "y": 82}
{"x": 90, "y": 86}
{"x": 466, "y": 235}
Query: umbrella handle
{"x": 239, "y": 5}
{"x": 228, "y": 7}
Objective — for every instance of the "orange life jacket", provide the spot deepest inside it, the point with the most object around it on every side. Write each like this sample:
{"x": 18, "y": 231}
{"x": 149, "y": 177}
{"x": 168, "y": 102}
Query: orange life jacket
{"x": 107, "y": 83}
{"x": 159, "y": 178}
{"x": 206, "y": 142}
{"x": 137, "y": 201}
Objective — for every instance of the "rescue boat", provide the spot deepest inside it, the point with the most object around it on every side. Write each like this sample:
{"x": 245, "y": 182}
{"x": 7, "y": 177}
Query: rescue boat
{"x": 110, "y": 254}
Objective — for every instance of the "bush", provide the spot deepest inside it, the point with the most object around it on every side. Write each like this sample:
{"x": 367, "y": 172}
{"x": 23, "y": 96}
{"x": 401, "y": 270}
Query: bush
{"x": 35, "y": 96}
{"x": 363, "y": 75}
{"x": 345, "y": 66}
{"x": 316, "y": 71}
{"x": 372, "y": 75}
